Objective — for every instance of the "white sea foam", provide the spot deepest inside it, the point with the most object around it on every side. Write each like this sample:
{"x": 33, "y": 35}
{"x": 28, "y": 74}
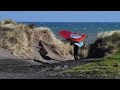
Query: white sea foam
{"x": 84, "y": 28}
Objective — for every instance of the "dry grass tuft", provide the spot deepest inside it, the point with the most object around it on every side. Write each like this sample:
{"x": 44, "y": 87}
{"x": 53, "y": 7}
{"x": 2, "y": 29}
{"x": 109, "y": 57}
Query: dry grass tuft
{"x": 106, "y": 43}
{"x": 19, "y": 39}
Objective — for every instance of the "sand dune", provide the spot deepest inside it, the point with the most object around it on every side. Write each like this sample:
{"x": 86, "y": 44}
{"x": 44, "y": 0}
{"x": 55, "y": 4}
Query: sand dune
{"x": 23, "y": 41}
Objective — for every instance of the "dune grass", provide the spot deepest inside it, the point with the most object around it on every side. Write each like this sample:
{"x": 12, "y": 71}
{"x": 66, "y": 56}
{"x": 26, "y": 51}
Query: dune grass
{"x": 108, "y": 68}
{"x": 62, "y": 48}
{"x": 19, "y": 39}
{"x": 16, "y": 38}
{"x": 106, "y": 43}
{"x": 7, "y": 21}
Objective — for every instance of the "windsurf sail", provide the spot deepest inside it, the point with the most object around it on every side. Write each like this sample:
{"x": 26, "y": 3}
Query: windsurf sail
{"x": 75, "y": 37}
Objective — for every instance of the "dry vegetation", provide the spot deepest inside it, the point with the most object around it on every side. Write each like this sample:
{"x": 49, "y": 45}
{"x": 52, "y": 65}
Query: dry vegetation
{"x": 107, "y": 43}
{"x": 19, "y": 39}
{"x": 45, "y": 35}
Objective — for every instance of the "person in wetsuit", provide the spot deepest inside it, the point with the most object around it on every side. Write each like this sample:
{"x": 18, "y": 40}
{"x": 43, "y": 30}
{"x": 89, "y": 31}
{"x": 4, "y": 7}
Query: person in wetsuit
{"x": 76, "y": 48}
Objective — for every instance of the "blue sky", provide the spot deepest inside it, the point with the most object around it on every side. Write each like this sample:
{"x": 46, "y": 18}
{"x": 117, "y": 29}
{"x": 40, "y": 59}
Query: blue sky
{"x": 61, "y": 16}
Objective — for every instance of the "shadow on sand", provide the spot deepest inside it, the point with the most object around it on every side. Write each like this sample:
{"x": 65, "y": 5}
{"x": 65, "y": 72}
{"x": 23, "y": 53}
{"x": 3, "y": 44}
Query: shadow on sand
{"x": 43, "y": 52}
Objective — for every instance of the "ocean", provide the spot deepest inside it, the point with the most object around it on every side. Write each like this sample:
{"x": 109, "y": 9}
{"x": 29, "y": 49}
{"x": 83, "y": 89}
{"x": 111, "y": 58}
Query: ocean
{"x": 89, "y": 28}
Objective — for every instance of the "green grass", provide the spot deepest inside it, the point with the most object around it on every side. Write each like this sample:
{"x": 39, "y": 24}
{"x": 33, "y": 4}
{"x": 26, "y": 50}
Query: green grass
{"x": 108, "y": 68}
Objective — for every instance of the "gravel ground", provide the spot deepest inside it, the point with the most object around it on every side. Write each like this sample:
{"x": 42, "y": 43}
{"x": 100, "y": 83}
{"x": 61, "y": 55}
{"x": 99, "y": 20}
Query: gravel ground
{"x": 12, "y": 67}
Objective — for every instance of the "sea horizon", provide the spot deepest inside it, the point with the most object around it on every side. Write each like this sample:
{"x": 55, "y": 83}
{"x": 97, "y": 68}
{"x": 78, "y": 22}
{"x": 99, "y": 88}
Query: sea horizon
{"x": 89, "y": 28}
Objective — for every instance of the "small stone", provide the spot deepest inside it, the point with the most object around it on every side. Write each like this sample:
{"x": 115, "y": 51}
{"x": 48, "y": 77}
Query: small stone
{"x": 65, "y": 66}
{"x": 61, "y": 67}
{"x": 57, "y": 68}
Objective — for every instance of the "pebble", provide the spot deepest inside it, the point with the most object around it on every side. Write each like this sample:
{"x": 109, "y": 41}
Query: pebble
{"x": 61, "y": 67}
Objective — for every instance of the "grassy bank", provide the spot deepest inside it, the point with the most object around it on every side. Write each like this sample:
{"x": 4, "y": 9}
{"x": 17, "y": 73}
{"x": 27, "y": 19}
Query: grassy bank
{"x": 108, "y": 68}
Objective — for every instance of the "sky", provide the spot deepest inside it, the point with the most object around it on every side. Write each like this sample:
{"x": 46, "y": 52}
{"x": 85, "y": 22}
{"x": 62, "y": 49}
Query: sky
{"x": 61, "y": 16}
